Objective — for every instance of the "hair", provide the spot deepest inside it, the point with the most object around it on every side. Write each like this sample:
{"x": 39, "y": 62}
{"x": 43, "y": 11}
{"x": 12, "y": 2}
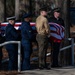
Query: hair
{"x": 43, "y": 9}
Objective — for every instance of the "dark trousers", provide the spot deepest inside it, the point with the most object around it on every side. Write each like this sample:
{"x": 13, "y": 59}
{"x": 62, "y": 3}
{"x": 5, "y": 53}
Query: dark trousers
{"x": 55, "y": 53}
{"x": 0, "y": 56}
{"x": 26, "y": 53}
{"x": 13, "y": 56}
{"x": 43, "y": 45}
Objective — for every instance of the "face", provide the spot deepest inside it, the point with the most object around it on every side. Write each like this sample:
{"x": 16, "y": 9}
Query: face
{"x": 12, "y": 22}
{"x": 30, "y": 19}
{"x": 56, "y": 14}
{"x": 26, "y": 19}
{"x": 44, "y": 13}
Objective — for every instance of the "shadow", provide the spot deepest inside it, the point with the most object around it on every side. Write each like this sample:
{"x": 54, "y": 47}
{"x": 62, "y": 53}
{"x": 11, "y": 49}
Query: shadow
{"x": 4, "y": 66}
{"x": 34, "y": 66}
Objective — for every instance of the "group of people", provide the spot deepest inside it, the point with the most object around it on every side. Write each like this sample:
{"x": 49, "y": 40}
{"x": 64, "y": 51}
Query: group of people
{"x": 42, "y": 37}
{"x": 44, "y": 33}
{"x": 11, "y": 34}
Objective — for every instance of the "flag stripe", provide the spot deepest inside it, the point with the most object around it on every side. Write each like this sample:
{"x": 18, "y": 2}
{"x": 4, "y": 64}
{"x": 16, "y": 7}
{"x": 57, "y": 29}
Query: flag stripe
{"x": 57, "y": 32}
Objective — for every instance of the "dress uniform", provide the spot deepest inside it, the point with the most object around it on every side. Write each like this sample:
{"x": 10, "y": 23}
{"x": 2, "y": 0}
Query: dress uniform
{"x": 26, "y": 33}
{"x": 11, "y": 35}
{"x": 0, "y": 50}
{"x": 43, "y": 30}
{"x": 56, "y": 43}
{"x": 2, "y": 39}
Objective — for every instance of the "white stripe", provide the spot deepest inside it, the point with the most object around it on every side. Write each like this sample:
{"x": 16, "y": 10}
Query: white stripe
{"x": 16, "y": 28}
{"x": 17, "y": 23}
{"x": 5, "y": 23}
{"x": 32, "y": 23}
{"x": 56, "y": 36}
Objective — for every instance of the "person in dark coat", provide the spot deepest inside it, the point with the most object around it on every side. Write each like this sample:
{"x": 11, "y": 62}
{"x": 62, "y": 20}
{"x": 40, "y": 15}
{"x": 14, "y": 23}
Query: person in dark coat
{"x": 2, "y": 39}
{"x": 11, "y": 35}
{"x": 56, "y": 43}
{"x": 26, "y": 34}
{"x": 0, "y": 52}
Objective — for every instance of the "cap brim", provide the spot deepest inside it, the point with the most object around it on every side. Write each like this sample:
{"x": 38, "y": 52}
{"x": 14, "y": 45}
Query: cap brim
{"x": 11, "y": 18}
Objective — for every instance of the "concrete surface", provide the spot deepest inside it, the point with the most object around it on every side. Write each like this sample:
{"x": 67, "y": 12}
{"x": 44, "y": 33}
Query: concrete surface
{"x": 53, "y": 71}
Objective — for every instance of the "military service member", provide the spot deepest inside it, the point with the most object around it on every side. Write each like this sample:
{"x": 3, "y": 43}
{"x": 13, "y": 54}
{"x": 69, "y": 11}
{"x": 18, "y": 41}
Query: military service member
{"x": 11, "y": 35}
{"x": 56, "y": 43}
{"x": 43, "y": 30}
{"x": 26, "y": 33}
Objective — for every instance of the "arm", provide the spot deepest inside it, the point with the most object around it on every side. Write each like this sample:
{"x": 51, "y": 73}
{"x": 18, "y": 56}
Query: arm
{"x": 47, "y": 27}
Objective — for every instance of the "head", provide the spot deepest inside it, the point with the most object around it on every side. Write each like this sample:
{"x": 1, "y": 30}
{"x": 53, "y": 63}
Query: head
{"x": 27, "y": 17}
{"x": 11, "y": 20}
{"x": 43, "y": 12}
{"x": 56, "y": 12}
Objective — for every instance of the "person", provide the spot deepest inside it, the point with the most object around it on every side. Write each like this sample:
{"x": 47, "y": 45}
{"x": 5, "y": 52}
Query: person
{"x": 26, "y": 34}
{"x": 58, "y": 25}
{"x": 43, "y": 30}
{"x": 0, "y": 52}
{"x": 2, "y": 39}
{"x": 11, "y": 35}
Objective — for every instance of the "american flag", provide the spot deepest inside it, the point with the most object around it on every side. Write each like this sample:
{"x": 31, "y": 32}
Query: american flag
{"x": 57, "y": 32}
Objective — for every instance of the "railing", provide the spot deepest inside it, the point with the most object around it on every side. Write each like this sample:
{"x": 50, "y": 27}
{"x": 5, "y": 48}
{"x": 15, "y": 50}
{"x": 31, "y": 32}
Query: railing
{"x": 19, "y": 51}
{"x": 72, "y": 48}
{"x": 64, "y": 48}
{"x": 35, "y": 58}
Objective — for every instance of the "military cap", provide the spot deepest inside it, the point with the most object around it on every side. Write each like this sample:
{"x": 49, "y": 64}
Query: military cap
{"x": 56, "y": 10}
{"x": 11, "y": 18}
{"x": 27, "y": 15}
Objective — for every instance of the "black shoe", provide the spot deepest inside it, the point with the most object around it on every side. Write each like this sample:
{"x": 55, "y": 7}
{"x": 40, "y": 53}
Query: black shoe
{"x": 56, "y": 66}
{"x": 48, "y": 68}
{"x": 41, "y": 68}
{"x": 59, "y": 66}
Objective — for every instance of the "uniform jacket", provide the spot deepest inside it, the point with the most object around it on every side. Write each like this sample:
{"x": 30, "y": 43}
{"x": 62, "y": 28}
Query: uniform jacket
{"x": 26, "y": 32}
{"x": 59, "y": 21}
{"x": 42, "y": 25}
{"x": 11, "y": 33}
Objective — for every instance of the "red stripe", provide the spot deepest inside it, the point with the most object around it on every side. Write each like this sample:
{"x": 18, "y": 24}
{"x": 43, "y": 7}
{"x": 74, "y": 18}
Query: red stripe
{"x": 17, "y": 24}
{"x": 32, "y": 24}
{"x": 3, "y": 24}
{"x": 54, "y": 39}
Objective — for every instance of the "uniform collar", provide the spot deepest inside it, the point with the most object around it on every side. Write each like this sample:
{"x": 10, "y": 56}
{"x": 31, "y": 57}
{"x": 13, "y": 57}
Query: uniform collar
{"x": 56, "y": 18}
{"x": 10, "y": 24}
{"x": 42, "y": 16}
{"x": 28, "y": 23}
